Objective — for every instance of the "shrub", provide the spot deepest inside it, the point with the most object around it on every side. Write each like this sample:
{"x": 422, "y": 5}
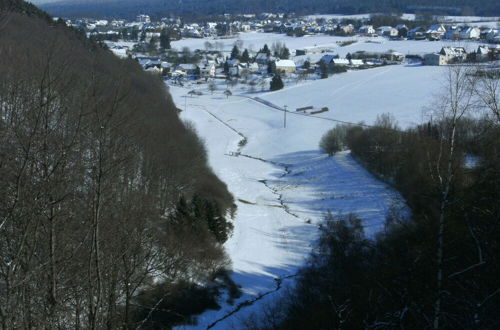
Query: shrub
{"x": 333, "y": 140}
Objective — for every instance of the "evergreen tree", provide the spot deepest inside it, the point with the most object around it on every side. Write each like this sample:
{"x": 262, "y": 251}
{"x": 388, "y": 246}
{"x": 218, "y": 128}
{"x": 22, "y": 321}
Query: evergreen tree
{"x": 152, "y": 44}
{"x": 245, "y": 57}
{"x": 164, "y": 40}
{"x": 285, "y": 54}
{"x": 235, "y": 53}
{"x": 266, "y": 50}
{"x": 323, "y": 69}
{"x": 276, "y": 83}
{"x": 134, "y": 35}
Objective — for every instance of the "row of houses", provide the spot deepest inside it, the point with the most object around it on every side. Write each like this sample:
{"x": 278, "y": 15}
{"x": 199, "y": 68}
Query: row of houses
{"x": 439, "y": 31}
{"x": 451, "y": 55}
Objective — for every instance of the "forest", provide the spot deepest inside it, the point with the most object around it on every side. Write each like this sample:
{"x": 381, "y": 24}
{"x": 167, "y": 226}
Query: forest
{"x": 161, "y": 8}
{"x": 110, "y": 216}
{"x": 436, "y": 268}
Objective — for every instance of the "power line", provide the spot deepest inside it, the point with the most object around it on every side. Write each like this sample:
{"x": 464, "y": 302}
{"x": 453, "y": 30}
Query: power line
{"x": 306, "y": 115}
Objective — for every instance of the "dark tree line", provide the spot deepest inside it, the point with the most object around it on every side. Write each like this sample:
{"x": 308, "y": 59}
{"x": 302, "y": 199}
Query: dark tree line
{"x": 93, "y": 163}
{"x": 439, "y": 269}
{"x": 162, "y": 8}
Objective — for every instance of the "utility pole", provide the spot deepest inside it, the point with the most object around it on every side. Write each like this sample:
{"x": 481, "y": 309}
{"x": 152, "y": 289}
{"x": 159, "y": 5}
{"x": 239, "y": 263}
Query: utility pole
{"x": 284, "y": 119}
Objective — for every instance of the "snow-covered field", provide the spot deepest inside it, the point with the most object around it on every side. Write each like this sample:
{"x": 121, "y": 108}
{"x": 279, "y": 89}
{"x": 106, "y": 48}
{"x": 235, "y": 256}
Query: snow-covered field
{"x": 282, "y": 184}
{"x": 256, "y": 40}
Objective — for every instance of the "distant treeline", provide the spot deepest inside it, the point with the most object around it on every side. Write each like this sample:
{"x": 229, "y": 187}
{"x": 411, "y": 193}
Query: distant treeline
{"x": 160, "y": 8}
{"x": 110, "y": 216}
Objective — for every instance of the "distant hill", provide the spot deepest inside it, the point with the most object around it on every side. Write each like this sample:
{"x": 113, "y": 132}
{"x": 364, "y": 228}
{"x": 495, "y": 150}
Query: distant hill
{"x": 22, "y": 7}
{"x": 130, "y": 8}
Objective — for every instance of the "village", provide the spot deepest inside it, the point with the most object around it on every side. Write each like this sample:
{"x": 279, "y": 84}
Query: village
{"x": 217, "y": 54}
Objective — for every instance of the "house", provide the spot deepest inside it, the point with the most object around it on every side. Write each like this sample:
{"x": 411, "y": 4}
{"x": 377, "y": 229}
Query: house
{"x": 484, "y": 33}
{"x": 340, "y": 62}
{"x": 207, "y": 70}
{"x": 262, "y": 58}
{"x": 149, "y": 62}
{"x": 446, "y": 56}
{"x": 453, "y": 33}
{"x": 166, "y": 68}
{"x": 346, "y": 28}
{"x": 387, "y": 31}
{"x": 482, "y": 53}
{"x": 234, "y": 70}
{"x": 285, "y": 66}
{"x": 435, "y": 32}
{"x": 154, "y": 69}
{"x": 417, "y": 33}
{"x": 233, "y": 62}
{"x": 394, "y": 56}
{"x": 355, "y": 63}
{"x": 453, "y": 53}
{"x": 492, "y": 36}
{"x": 470, "y": 32}
{"x": 402, "y": 30}
{"x": 366, "y": 30}
{"x": 435, "y": 59}
{"x": 253, "y": 67}
{"x": 327, "y": 59}
{"x": 188, "y": 69}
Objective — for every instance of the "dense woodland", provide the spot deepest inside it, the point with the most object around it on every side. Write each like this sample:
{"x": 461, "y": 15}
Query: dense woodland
{"x": 161, "y": 8}
{"x": 109, "y": 214}
{"x": 437, "y": 269}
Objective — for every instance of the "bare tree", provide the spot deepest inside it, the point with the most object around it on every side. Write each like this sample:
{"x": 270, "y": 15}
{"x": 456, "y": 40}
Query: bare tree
{"x": 487, "y": 88}
{"x": 212, "y": 87}
{"x": 456, "y": 102}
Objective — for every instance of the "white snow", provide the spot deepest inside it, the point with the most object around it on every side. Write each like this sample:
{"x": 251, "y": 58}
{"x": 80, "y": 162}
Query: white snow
{"x": 254, "y": 41}
{"x": 293, "y": 183}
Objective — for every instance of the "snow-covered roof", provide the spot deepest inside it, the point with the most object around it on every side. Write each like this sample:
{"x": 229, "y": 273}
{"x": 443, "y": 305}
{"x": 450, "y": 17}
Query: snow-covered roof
{"x": 439, "y": 28}
{"x": 483, "y": 50}
{"x": 261, "y": 56}
{"x": 285, "y": 63}
{"x": 341, "y": 61}
{"x": 188, "y": 66}
{"x": 453, "y": 51}
{"x": 327, "y": 58}
{"x": 233, "y": 61}
{"x": 385, "y": 28}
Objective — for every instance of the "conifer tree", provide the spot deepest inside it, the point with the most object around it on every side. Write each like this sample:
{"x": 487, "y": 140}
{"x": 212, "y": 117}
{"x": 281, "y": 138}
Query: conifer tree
{"x": 245, "y": 57}
{"x": 276, "y": 83}
{"x": 235, "y": 53}
{"x": 164, "y": 40}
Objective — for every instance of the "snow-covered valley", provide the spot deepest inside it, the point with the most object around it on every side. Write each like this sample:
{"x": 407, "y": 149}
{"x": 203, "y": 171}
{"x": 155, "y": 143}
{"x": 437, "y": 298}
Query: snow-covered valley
{"x": 282, "y": 183}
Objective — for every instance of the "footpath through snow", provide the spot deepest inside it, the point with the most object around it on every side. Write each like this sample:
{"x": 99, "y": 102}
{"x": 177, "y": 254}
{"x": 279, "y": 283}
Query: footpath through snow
{"x": 283, "y": 186}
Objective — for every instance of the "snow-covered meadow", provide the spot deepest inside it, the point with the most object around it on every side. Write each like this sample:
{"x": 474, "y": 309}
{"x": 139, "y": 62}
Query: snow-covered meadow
{"x": 254, "y": 41}
{"x": 282, "y": 183}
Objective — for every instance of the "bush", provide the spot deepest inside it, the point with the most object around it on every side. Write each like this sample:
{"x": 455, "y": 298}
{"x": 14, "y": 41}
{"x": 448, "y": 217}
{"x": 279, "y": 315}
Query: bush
{"x": 333, "y": 140}
{"x": 277, "y": 83}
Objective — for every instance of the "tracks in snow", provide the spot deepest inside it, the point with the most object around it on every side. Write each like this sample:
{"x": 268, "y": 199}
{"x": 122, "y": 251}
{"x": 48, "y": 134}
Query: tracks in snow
{"x": 283, "y": 205}
{"x": 249, "y": 302}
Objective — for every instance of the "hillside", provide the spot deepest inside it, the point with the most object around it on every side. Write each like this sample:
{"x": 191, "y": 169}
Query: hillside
{"x": 130, "y": 8}
{"x": 108, "y": 208}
